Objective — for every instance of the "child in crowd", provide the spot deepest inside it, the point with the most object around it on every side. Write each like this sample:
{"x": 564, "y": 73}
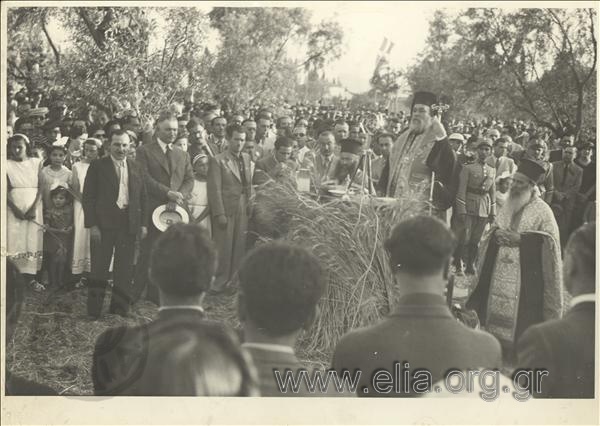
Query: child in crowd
{"x": 198, "y": 201}
{"x": 181, "y": 142}
{"x": 54, "y": 174}
{"x": 58, "y": 226}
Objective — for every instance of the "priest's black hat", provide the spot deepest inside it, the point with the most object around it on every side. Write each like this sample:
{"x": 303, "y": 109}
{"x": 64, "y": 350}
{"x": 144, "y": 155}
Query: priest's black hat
{"x": 423, "y": 98}
{"x": 532, "y": 169}
{"x": 351, "y": 145}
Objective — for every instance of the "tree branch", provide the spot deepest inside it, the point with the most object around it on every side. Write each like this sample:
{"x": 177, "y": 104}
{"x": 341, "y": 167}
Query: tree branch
{"x": 96, "y": 36}
{"x": 50, "y": 42}
{"x": 594, "y": 46}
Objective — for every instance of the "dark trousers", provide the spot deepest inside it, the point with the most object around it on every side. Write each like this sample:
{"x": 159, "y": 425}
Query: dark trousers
{"x": 122, "y": 241}
{"x": 142, "y": 280}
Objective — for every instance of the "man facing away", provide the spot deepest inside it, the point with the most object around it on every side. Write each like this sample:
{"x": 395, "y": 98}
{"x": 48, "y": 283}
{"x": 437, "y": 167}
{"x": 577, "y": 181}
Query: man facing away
{"x": 182, "y": 266}
{"x": 421, "y": 331}
{"x": 565, "y": 347}
{"x": 229, "y": 188}
{"x": 280, "y": 286}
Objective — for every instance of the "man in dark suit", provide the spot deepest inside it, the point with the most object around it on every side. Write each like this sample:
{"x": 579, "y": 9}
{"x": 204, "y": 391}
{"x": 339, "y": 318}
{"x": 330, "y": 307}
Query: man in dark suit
{"x": 277, "y": 166}
{"x": 274, "y": 315}
{"x": 182, "y": 266}
{"x": 116, "y": 211}
{"x": 421, "y": 331}
{"x": 170, "y": 179}
{"x": 567, "y": 181}
{"x": 565, "y": 347}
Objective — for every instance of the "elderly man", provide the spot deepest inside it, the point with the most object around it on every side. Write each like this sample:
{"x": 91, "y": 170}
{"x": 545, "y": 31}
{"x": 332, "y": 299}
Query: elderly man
{"x": 169, "y": 179}
{"x": 519, "y": 281}
{"x": 567, "y": 182}
{"x": 420, "y": 151}
{"x": 347, "y": 171}
{"x": 565, "y": 347}
{"x": 277, "y": 166}
{"x": 323, "y": 162}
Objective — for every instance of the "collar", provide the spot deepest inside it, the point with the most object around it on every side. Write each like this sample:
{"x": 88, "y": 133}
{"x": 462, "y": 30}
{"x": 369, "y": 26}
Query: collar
{"x": 589, "y": 297}
{"x": 269, "y": 347}
{"x": 174, "y": 307}
{"x": 122, "y": 163}
{"x": 163, "y": 145}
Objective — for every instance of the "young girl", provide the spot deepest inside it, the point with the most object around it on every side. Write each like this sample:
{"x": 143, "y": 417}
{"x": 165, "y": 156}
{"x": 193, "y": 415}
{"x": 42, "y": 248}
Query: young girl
{"x": 54, "y": 174}
{"x": 58, "y": 225}
{"x": 198, "y": 201}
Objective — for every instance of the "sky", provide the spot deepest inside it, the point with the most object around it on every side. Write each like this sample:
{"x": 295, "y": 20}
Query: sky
{"x": 365, "y": 26}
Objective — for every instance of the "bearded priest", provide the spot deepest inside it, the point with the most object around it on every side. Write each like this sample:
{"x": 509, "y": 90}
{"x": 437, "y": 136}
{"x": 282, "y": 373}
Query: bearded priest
{"x": 520, "y": 276}
{"x": 420, "y": 150}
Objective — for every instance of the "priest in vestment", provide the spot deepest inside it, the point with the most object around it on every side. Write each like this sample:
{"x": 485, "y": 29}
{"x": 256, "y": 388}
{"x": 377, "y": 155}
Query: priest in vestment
{"x": 420, "y": 150}
{"x": 519, "y": 274}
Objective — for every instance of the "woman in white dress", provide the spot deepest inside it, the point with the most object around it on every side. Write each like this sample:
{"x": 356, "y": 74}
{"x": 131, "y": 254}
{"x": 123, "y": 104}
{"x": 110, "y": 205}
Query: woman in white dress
{"x": 24, "y": 217}
{"x": 81, "y": 242}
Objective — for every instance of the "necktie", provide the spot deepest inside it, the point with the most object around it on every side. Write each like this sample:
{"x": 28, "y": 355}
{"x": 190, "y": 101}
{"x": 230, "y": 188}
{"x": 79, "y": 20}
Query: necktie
{"x": 122, "y": 196}
{"x": 564, "y": 179}
{"x": 168, "y": 155}
{"x": 497, "y": 163}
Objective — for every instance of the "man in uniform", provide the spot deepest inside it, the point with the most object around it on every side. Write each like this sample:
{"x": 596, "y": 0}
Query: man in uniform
{"x": 475, "y": 204}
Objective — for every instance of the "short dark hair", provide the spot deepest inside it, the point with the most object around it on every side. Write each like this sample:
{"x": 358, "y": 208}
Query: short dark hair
{"x": 280, "y": 119}
{"x": 212, "y": 122}
{"x": 234, "y": 128}
{"x": 385, "y": 135}
{"x": 500, "y": 140}
{"x": 281, "y": 285}
{"x": 183, "y": 260}
{"x": 420, "y": 245}
{"x": 53, "y": 148}
{"x": 110, "y": 124}
{"x": 283, "y": 141}
{"x": 191, "y": 123}
{"x": 582, "y": 246}
{"x": 341, "y": 122}
{"x": 248, "y": 120}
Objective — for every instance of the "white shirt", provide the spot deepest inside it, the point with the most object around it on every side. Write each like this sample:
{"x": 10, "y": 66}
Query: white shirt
{"x": 163, "y": 145}
{"x": 122, "y": 174}
{"x": 589, "y": 297}
{"x": 268, "y": 347}
{"x": 172, "y": 307}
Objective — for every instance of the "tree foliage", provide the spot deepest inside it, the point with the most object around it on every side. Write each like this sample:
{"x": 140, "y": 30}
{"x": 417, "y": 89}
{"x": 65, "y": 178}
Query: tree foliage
{"x": 145, "y": 58}
{"x": 534, "y": 63}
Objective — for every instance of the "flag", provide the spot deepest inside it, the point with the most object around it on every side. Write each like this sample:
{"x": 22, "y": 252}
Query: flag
{"x": 390, "y": 48}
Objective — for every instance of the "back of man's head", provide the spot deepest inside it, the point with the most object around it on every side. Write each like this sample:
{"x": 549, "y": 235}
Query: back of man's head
{"x": 420, "y": 246}
{"x": 580, "y": 260}
{"x": 183, "y": 261}
{"x": 281, "y": 285}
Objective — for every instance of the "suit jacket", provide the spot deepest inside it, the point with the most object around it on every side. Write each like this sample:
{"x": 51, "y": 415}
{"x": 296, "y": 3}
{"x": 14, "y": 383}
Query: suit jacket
{"x": 125, "y": 358}
{"x": 320, "y": 169}
{"x": 224, "y": 184}
{"x": 564, "y": 347}
{"x": 160, "y": 179}
{"x": 269, "y": 167}
{"x": 101, "y": 190}
{"x": 502, "y": 164}
{"x": 572, "y": 180}
{"x": 421, "y": 332}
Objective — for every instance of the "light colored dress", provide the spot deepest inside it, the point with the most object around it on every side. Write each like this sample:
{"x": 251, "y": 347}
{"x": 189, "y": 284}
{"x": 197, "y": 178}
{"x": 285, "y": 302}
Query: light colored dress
{"x": 198, "y": 202}
{"x": 24, "y": 239}
{"x": 81, "y": 241}
{"x": 50, "y": 178}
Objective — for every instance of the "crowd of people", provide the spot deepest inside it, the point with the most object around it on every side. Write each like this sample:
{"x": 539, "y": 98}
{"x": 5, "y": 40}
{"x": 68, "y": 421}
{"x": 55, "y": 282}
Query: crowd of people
{"x": 504, "y": 197}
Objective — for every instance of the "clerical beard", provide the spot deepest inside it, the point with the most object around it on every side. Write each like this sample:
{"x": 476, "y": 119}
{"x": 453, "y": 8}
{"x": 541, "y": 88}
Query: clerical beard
{"x": 342, "y": 171}
{"x": 517, "y": 200}
{"x": 418, "y": 125}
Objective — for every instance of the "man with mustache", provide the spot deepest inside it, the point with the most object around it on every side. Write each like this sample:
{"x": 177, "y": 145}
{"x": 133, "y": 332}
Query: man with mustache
{"x": 418, "y": 152}
{"x": 519, "y": 277}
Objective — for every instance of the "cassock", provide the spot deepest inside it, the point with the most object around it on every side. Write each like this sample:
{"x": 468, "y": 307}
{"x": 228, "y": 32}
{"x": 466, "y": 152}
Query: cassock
{"x": 519, "y": 286}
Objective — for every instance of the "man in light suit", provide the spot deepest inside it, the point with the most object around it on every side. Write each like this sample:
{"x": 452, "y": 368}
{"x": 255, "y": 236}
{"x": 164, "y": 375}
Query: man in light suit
{"x": 421, "y": 331}
{"x": 567, "y": 180}
{"x": 565, "y": 347}
{"x": 170, "y": 179}
{"x": 323, "y": 162}
{"x": 229, "y": 188}
{"x": 115, "y": 206}
{"x": 499, "y": 159}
